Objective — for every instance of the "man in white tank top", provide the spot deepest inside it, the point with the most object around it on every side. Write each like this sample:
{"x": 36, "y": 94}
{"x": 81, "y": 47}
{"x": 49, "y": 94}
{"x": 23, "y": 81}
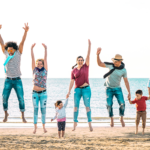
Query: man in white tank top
{"x": 12, "y": 70}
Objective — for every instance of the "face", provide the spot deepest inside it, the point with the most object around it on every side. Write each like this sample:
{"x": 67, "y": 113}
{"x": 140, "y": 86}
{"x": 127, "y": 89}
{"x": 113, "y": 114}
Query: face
{"x": 39, "y": 64}
{"x": 60, "y": 106}
{"x": 117, "y": 63}
{"x": 10, "y": 51}
{"x": 138, "y": 96}
{"x": 80, "y": 62}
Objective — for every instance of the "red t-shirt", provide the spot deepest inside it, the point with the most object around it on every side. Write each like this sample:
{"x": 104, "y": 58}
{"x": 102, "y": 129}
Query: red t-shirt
{"x": 80, "y": 76}
{"x": 140, "y": 104}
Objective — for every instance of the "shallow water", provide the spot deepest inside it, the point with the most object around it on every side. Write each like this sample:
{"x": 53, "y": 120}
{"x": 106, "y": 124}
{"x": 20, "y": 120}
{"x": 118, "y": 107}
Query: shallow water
{"x": 57, "y": 89}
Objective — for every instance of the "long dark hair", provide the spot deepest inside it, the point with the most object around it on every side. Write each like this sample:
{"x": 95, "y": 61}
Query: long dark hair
{"x": 76, "y": 60}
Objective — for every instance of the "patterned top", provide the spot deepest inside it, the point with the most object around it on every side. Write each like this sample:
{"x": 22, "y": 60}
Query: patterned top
{"x": 13, "y": 66}
{"x": 40, "y": 77}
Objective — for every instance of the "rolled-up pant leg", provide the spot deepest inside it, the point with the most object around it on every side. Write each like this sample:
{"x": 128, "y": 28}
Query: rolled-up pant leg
{"x": 120, "y": 99}
{"x": 43, "y": 101}
{"x": 35, "y": 100}
{"x": 6, "y": 93}
{"x": 109, "y": 101}
{"x": 86, "y": 93}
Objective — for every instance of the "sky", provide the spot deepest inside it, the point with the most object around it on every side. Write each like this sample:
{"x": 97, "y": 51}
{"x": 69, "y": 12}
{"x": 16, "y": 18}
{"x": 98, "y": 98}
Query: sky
{"x": 117, "y": 26}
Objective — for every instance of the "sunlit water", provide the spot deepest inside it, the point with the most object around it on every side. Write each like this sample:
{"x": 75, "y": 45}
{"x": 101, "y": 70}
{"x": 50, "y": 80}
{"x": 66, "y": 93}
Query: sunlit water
{"x": 58, "y": 88}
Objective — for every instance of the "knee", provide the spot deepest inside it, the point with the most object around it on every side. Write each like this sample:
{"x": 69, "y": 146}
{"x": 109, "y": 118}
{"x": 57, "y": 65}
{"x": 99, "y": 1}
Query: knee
{"x": 35, "y": 110}
{"x": 122, "y": 106}
{"x": 109, "y": 106}
{"x": 75, "y": 109}
{"x": 88, "y": 109}
{"x": 43, "y": 111}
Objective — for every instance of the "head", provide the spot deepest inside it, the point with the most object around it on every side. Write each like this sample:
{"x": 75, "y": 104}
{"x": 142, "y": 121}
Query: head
{"x": 79, "y": 61}
{"x": 11, "y": 47}
{"x": 59, "y": 104}
{"x": 138, "y": 94}
{"x": 117, "y": 60}
{"x": 40, "y": 63}
{"x": 117, "y": 63}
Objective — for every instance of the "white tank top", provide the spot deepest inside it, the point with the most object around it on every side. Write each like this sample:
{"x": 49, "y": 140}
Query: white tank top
{"x": 13, "y": 66}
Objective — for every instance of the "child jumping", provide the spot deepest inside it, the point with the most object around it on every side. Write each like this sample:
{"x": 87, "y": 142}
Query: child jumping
{"x": 61, "y": 116}
{"x": 140, "y": 101}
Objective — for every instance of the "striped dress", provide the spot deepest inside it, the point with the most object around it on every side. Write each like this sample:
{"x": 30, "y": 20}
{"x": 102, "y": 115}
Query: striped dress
{"x": 13, "y": 66}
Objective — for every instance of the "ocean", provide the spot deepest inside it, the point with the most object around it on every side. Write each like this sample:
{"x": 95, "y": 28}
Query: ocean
{"x": 57, "y": 88}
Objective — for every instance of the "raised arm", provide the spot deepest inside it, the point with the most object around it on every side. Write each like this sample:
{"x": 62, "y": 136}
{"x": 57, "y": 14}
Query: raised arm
{"x": 70, "y": 87}
{"x": 32, "y": 57}
{"x": 26, "y": 28}
{"x": 128, "y": 87}
{"x": 66, "y": 103}
{"x": 45, "y": 57}
{"x": 88, "y": 54}
{"x": 2, "y": 42}
{"x": 99, "y": 62}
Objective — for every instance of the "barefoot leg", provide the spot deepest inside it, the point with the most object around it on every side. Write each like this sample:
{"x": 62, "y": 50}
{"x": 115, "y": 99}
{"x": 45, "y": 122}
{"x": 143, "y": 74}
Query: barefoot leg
{"x": 74, "y": 126}
{"x": 44, "y": 129}
{"x": 6, "y": 116}
{"x": 59, "y": 134}
{"x": 122, "y": 121}
{"x": 136, "y": 130}
{"x": 90, "y": 127}
{"x": 63, "y": 133}
{"x": 111, "y": 121}
{"x": 23, "y": 118}
{"x": 35, "y": 127}
{"x": 143, "y": 131}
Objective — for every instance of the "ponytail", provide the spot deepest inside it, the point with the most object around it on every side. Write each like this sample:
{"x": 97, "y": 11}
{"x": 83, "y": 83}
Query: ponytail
{"x": 74, "y": 66}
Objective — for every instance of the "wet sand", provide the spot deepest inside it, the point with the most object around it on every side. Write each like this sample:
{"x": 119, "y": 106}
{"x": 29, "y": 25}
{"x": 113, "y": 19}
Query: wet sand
{"x": 101, "y": 138}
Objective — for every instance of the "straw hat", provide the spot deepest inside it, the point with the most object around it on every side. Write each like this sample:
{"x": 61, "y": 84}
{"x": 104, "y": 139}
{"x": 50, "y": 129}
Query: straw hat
{"x": 117, "y": 58}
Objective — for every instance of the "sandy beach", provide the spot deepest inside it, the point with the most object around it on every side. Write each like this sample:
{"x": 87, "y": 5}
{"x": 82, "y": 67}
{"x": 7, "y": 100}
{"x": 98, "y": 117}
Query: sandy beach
{"x": 101, "y": 138}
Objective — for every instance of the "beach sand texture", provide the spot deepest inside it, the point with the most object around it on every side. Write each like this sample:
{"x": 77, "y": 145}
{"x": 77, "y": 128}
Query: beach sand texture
{"x": 101, "y": 138}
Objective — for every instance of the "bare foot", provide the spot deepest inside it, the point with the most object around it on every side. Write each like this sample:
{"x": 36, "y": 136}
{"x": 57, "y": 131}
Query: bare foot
{"x": 111, "y": 122}
{"x": 6, "y": 116}
{"x": 136, "y": 132}
{"x": 122, "y": 122}
{"x": 44, "y": 130}
{"x": 24, "y": 120}
{"x": 74, "y": 126}
{"x": 143, "y": 132}
{"x": 91, "y": 129}
{"x": 34, "y": 131}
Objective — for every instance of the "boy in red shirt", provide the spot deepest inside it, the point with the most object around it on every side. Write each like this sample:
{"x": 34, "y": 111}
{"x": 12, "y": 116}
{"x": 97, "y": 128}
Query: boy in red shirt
{"x": 141, "y": 109}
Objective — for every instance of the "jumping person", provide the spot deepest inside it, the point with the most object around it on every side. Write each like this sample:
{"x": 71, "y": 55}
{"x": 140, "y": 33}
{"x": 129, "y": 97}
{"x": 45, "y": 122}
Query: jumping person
{"x": 39, "y": 88}
{"x": 13, "y": 55}
{"x": 112, "y": 84}
{"x": 80, "y": 75}
{"x": 61, "y": 116}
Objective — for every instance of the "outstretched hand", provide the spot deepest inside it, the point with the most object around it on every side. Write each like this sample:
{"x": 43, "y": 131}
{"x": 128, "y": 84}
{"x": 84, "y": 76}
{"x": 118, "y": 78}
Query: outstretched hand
{"x": 99, "y": 50}
{"x": 26, "y": 28}
{"x": 0, "y": 26}
{"x": 67, "y": 96}
{"x": 129, "y": 96}
{"x": 44, "y": 46}
{"x": 33, "y": 46}
{"x": 89, "y": 42}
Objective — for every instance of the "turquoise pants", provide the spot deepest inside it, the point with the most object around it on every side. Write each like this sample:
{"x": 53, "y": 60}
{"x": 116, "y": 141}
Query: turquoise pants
{"x": 86, "y": 94}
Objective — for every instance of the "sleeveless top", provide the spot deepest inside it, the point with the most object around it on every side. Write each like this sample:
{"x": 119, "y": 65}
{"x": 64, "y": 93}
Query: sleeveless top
{"x": 80, "y": 76}
{"x": 40, "y": 77}
{"x": 13, "y": 66}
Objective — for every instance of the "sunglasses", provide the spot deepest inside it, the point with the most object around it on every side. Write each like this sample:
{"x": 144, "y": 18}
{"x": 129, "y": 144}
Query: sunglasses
{"x": 80, "y": 60}
{"x": 10, "y": 50}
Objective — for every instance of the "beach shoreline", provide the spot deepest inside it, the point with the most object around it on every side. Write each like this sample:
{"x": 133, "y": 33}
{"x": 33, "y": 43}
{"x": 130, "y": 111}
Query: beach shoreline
{"x": 100, "y": 138}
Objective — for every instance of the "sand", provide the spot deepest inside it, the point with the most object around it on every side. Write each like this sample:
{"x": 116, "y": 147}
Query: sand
{"x": 101, "y": 138}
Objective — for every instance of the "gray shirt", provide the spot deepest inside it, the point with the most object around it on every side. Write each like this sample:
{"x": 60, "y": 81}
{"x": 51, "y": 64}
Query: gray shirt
{"x": 13, "y": 66}
{"x": 114, "y": 79}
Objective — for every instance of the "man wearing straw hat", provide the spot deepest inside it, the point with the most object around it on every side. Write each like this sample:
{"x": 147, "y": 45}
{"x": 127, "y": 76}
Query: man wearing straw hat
{"x": 113, "y": 78}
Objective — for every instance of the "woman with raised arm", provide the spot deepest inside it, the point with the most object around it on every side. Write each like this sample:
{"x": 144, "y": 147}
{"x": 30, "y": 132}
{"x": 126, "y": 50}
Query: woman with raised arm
{"x": 80, "y": 75}
{"x": 39, "y": 88}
